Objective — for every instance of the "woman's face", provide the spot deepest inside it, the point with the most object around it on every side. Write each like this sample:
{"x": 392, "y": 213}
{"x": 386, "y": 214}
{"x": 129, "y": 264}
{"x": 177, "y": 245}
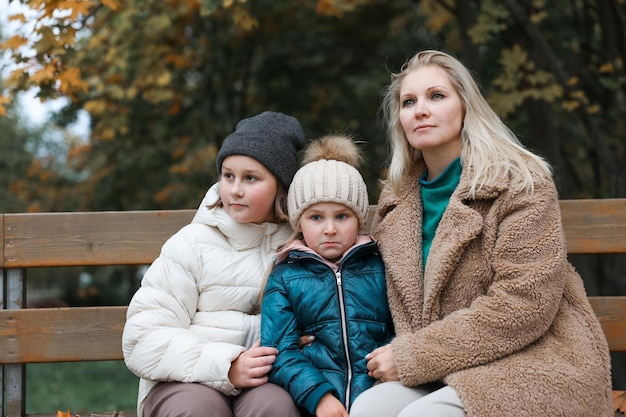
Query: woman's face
{"x": 431, "y": 113}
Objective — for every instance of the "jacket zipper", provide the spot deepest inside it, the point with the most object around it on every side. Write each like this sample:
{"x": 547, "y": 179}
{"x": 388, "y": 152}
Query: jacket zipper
{"x": 344, "y": 332}
{"x": 344, "y": 324}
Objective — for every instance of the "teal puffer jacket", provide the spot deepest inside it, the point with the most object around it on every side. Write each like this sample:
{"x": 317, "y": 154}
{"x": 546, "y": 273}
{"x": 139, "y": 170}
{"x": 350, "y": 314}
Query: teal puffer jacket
{"x": 346, "y": 311}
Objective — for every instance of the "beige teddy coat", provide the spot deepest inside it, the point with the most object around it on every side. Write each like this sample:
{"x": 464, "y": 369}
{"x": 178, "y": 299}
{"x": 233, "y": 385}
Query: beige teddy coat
{"x": 499, "y": 313}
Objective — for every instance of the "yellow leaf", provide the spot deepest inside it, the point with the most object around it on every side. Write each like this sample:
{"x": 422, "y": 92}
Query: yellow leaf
{"x": 571, "y": 105}
{"x": 17, "y": 17}
{"x": 163, "y": 79}
{"x": 245, "y": 20}
{"x": 15, "y": 78}
{"x": 44, "y": 74}
{"x": 37, "y": 4}
{"x": 107, "y": 134}
{"x": 3, "y": 101}
{"x": 77, "y": 7}
{"x": 619, "y": 401}
{"x": 71, "y": 81}
{"x": 67, "y": 37}
{"x": 328, "y": 8}
{"x": 578, "y": 94}
{"x": 179, "y": 61}
{"x": 537, "y": 18}
{"x": 14, "y": 42}
{"x": 62, "y": 414}
{"x": 112, "y": 4}
{"x": 607, "y": 68}
{"x": 438, "y": 16}
{"x": 95, "y": 107}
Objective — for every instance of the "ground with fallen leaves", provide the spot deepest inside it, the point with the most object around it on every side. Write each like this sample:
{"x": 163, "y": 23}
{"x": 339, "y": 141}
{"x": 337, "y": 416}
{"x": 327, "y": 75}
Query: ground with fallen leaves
{"x": 112, "y": 414}
{"x": 619, "y": 403}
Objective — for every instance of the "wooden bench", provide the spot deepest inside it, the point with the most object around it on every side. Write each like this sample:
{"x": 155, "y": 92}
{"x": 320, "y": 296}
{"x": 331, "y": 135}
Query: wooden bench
{"x": 32, "y": 335}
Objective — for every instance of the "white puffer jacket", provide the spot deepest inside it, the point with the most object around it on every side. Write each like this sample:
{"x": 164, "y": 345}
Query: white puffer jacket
{"x": 196, "y": 309}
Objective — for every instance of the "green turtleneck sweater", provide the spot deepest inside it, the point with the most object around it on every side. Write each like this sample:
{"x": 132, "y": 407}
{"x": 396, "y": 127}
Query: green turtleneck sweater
{"x": 435, "y": 197}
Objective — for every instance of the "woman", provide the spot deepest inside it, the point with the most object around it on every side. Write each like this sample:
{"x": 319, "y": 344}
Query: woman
{"x": 491, "y": 319}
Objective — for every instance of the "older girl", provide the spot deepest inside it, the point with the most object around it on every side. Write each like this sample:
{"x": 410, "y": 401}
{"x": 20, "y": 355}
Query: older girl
{"x": 192, "y": 328}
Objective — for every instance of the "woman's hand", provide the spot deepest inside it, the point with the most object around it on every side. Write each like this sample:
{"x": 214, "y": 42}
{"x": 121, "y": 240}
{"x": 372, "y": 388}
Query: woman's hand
{"x": 251, "y": 366}
{"x": 381, "y": 365}
{"x": 329, "y": 406}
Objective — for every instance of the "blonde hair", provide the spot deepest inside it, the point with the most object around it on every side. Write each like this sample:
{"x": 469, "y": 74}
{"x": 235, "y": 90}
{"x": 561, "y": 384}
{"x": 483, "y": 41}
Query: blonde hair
{"x": 295, "y": 235}
{"x": 489, "y": 147}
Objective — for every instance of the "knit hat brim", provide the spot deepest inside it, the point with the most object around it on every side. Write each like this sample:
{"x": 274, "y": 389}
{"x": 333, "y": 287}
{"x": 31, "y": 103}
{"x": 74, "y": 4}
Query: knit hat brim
{"x": 271, "y": 138}
{"x": 327, "y": 181}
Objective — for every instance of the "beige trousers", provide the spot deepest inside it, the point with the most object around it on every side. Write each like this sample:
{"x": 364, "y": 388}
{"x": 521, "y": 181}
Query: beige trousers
{"x": 177, "y": 399}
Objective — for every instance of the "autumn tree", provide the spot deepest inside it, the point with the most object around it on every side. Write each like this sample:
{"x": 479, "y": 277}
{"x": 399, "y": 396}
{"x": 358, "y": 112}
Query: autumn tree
{"x": 32, "y": 164}
{"x": 14, "y": 162}
{"x": 165, "y": 81}
{"x": 555, "y": 71}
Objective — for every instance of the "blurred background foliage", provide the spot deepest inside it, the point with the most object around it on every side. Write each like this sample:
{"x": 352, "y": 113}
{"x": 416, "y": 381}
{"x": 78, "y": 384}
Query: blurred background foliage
{"x": 164, "y": 81}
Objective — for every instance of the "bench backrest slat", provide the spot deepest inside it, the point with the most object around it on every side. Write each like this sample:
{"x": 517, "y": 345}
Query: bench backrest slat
{"x": 611, "y": 312}
{"x": 595, "y": 226}
{"x": 88, "y": 238}
{"x": 135, "y": 238}
{"x": 61, "y": 334}
{"x": 51, "y": 335}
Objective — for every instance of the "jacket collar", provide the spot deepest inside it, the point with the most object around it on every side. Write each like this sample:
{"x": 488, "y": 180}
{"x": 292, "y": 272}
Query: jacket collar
{"x": 398, "y": 219}
{"x": 409, "y": 189}
{"x": 299, "y": 246}
{"x": 240, "y": 236}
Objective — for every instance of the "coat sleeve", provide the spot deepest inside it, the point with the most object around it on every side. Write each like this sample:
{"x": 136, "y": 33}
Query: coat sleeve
{"x": 291, "y": 370}
{"x": 157, "y": 342}
{"x": 523, "y": 248}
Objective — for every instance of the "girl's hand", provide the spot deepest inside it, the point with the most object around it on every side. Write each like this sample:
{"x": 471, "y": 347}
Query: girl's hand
{"x": 305, "y": 340}
{"x": 251, "y": 366}
{"x": 381, "y": 365}
{"x": 329, "y": 406}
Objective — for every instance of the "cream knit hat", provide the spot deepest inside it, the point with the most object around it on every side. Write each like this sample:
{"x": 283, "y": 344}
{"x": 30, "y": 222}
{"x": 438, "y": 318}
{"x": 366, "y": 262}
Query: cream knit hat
{"x": 329, "y": 176}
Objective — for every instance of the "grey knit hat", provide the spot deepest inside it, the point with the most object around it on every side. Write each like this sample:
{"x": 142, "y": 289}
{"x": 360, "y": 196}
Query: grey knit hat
{"x": 333, "y": 179}
{"x": 271, "y": 138}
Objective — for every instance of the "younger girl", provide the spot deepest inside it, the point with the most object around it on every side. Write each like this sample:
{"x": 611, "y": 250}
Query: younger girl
{"x": 328, "y": 283}
{"x": 192, "y": 328}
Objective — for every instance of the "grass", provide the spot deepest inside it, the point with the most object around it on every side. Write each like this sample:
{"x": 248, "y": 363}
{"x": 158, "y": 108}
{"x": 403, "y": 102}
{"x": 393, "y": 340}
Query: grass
{"x": 80, "y": 387}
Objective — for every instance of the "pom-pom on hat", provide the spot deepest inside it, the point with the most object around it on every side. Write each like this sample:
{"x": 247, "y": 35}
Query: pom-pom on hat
{"x": 271, "y": 138}
{"x": 329, "y": 175}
